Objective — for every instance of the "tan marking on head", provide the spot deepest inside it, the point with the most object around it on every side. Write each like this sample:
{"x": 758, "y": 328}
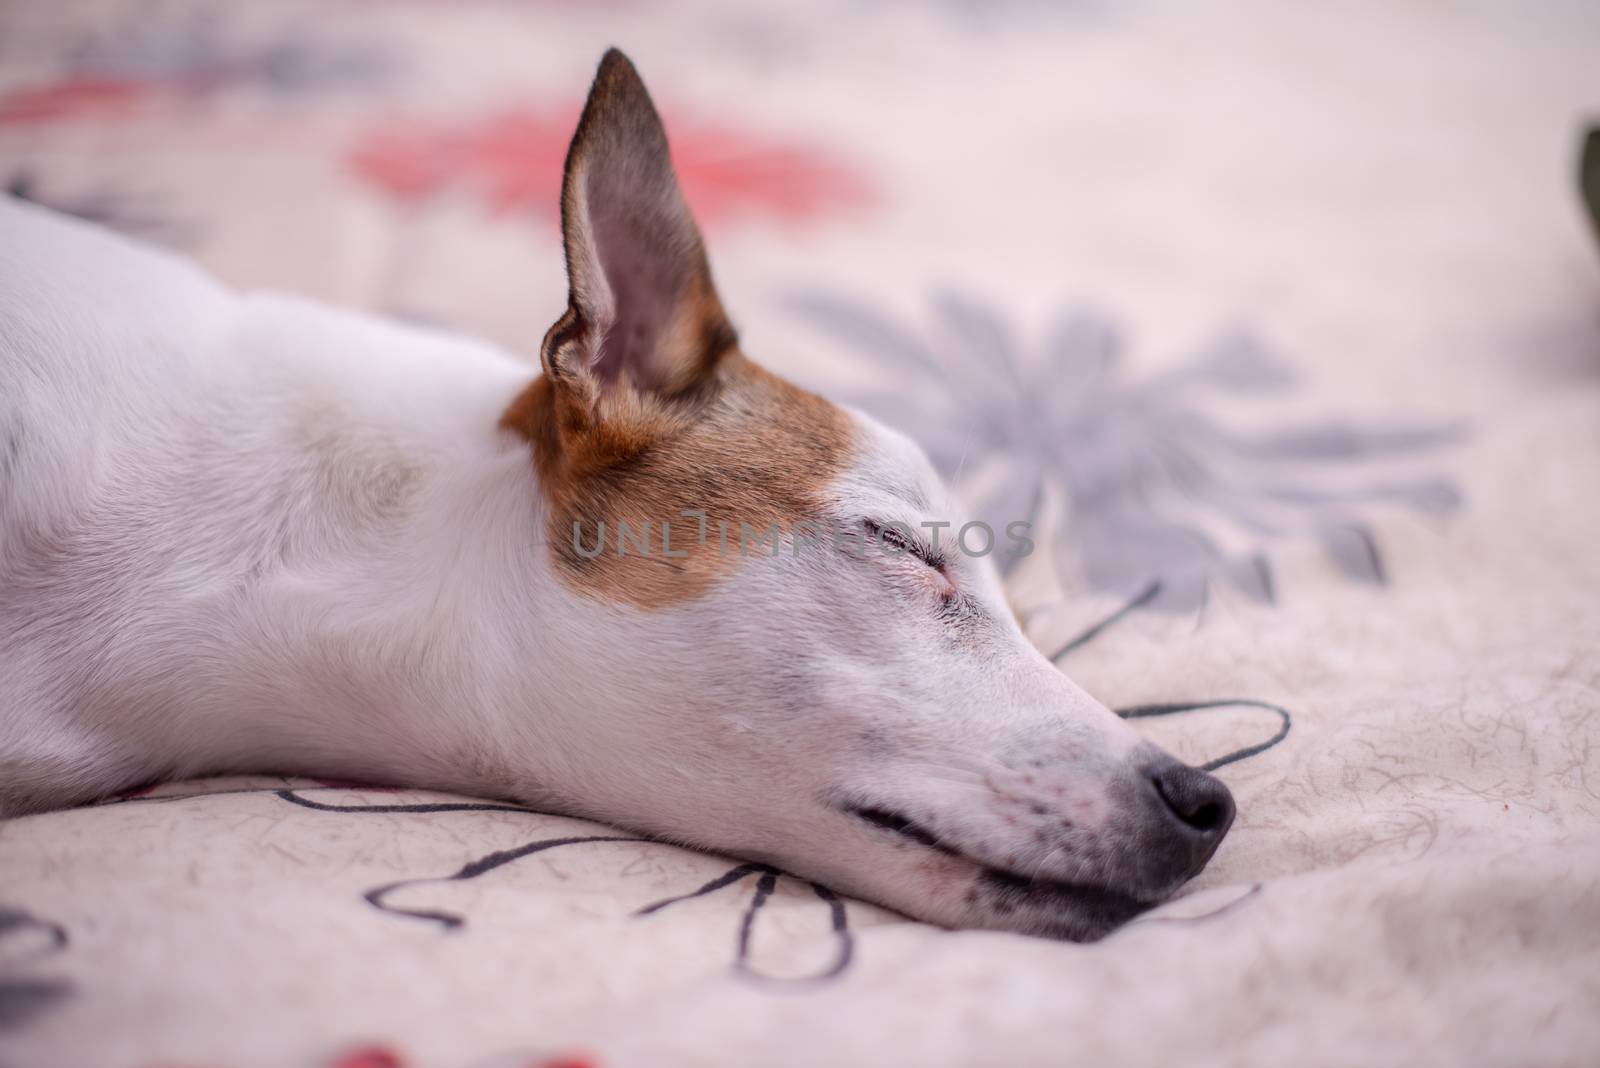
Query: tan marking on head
{"x": 646, "y": 409}
{"x": 751, "y": 449}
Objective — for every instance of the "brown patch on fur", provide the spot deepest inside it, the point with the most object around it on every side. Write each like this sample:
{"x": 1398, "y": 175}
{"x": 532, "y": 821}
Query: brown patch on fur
{"x": 647, "y": 410}
{"x": 746, "y": 448}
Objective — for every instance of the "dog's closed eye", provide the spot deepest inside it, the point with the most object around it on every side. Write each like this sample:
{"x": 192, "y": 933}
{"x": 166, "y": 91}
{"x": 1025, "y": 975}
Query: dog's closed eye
{"x": 895, "y": 539}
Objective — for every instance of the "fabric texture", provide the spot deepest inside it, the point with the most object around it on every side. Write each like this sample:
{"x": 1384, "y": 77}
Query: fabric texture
{"x": 1279, "y": 321}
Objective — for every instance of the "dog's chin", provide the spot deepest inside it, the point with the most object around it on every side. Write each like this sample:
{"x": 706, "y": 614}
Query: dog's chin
{"x": 1070, "y": 911}
{"x": 964, "y": 892}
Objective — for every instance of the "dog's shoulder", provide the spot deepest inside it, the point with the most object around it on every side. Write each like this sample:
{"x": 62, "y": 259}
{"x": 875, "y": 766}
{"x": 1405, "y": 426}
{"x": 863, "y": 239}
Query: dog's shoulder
{"x": 56, "y": 269}
{"x": 99, "y": 336}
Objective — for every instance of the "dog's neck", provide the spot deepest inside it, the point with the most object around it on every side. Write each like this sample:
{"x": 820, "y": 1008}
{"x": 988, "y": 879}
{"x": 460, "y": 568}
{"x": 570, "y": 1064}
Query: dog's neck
{"x": 414, "y": 499}
{"x": 329, "y": 559}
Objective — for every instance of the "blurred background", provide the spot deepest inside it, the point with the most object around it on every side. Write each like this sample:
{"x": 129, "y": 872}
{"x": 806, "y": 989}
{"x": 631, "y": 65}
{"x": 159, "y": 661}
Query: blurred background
{"x": 1280, "y": 321}
{"x": 1229, "y": 286}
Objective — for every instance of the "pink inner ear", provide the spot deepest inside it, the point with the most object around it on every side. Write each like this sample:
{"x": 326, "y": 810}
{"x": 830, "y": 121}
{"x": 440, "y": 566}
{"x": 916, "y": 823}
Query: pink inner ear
{"x": 646, "y": 247}
{"x": 644, "y": 287}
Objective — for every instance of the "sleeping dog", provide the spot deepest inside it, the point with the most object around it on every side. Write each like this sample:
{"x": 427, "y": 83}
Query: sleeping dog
{"x": 654, "y": 585}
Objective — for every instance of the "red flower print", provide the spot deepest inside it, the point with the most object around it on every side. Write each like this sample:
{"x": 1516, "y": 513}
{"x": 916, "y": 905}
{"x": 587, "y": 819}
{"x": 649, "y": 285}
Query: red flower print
{"x": 383, "y": 1057}
{"x": 75, "y": 98}
{"x": 369, "y": 1057}
{"x": 511, "y": 161}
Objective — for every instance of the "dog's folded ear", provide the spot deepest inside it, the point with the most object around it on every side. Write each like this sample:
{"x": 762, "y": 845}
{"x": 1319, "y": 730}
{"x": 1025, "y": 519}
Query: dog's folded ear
{"x": 642, "y": 315}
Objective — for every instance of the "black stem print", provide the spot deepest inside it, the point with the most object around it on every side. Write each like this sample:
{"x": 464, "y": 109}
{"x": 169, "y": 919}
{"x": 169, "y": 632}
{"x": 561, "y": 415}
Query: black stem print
{"x": 768, "y": 876}
{"x": 293, "y": 794}
{"x": 841, "y": 933}
{"x": 838, "y": 917}
{"x": 1175, "y": 708}
{"x": 14, "y": 920}
{"x": 22, "y": 998}
{"x": 1145, "y": 711}
{"x": 449, "y": 920}
{"x": 161, "y": 799}
{"x": 727, "y": 878}
{"x": 439, "y": 806}
{"x": 1144, "y": 597}
{"x": 764, "y": 887}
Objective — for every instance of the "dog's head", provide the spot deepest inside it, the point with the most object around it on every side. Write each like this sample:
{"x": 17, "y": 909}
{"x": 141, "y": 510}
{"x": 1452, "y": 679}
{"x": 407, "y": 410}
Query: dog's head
{"x": 786, "y": 646}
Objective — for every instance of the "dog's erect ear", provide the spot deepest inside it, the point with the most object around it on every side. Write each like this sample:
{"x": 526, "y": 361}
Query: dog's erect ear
{"x": 641, "y": 309}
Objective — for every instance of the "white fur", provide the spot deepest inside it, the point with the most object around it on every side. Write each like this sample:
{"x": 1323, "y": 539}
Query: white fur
{"x": 246, "y": 532}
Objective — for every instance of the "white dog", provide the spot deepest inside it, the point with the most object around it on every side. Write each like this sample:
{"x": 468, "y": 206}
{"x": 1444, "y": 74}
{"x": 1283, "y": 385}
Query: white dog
{"x": 250, "y": 533}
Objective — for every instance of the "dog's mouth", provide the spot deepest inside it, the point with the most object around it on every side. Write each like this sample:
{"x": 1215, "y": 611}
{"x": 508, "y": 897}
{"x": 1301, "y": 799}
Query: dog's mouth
{"x": 904, "y": 826}
{"x": 1094, "y": 909}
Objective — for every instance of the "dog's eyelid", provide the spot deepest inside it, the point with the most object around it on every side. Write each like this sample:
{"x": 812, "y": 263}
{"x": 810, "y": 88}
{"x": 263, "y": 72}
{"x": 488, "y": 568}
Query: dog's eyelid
{"x": 894, "y": 535}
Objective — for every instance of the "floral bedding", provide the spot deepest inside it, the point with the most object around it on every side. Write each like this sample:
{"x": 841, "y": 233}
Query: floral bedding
{"x": 1280, "y": 322}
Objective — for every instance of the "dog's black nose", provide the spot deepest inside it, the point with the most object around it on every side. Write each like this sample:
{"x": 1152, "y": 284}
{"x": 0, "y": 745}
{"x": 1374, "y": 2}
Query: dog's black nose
{"x": 1197, "y": 801}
